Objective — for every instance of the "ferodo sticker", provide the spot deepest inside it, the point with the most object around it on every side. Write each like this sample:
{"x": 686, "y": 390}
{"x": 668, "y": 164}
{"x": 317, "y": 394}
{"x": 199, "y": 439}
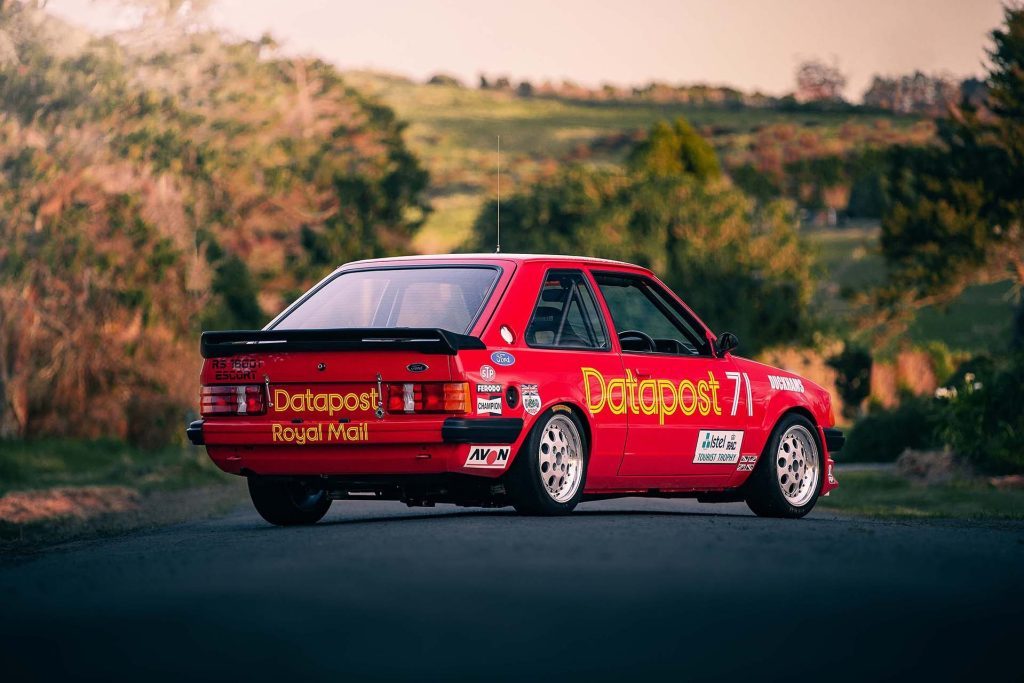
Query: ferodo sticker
{"x": 488, "y": 457}
{"x": 718, "y": 447}
{"x": 531, "y": 398}
{"x": 660, "y": 397}
{"x": 488, "y": 388}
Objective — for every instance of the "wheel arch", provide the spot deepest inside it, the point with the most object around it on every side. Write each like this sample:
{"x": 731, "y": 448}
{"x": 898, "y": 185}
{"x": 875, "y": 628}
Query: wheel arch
{"x": 802, "y": 411}
{"x": 528, "y": 425}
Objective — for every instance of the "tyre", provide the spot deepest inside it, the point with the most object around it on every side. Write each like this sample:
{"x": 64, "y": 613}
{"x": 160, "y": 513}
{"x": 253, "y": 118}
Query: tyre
{"x": 787, "y": 479}
{"x": 288, "y": 503}
{"x": 550, "y": 470}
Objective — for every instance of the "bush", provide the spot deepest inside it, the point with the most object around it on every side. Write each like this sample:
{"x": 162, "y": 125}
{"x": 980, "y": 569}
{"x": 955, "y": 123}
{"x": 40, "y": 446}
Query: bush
{"x": 985, "y": 423}
{"x": 883, "y": 434}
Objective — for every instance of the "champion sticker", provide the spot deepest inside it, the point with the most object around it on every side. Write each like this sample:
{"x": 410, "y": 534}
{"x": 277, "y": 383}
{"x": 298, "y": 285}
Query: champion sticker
{"x": 503, "y": 358}
{"x": 531, "y": 398}
{"x": 718, "y": 447}
{"x": 488, "y": 405}
{"x": 486, "y": 373}
{"x": 488, "y": 457}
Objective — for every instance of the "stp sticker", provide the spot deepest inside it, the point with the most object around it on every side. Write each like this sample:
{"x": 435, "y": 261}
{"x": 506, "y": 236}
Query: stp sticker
{"x": 503, "y": 358}
{"x": 486, "y": 373}
{"x": 718, "y": 447}
{"x": 488, "y": 457}
{"x": 531, "y": 398}
{"x": 488, "y": 405}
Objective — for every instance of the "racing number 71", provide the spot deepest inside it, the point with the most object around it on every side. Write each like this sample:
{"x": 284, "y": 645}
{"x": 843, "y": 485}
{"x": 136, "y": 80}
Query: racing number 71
{"x": 735, "y": 377}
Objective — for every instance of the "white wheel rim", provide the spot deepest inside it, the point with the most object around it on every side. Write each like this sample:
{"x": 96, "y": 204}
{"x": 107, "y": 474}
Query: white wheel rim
{"x": 797, "y": 466}
{"x": 560, "y": 458}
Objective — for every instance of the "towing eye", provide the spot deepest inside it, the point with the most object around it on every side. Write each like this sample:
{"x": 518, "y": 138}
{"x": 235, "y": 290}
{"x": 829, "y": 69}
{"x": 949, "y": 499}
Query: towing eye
{"x": 380, "y": 399}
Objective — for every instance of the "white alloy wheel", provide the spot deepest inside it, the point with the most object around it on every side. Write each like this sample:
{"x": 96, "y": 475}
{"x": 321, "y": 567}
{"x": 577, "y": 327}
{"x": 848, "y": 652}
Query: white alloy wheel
{"x": 560, "y": 458}
{"x": 797, "y": 465}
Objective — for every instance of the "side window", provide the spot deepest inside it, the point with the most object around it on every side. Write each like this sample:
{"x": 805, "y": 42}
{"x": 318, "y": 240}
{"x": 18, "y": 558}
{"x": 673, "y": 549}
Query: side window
{"x": 566, "y": 314}
{"x": 638, "y": 306}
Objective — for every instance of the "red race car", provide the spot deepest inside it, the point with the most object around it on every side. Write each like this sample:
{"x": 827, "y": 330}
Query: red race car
{"x": 494, "y": 379}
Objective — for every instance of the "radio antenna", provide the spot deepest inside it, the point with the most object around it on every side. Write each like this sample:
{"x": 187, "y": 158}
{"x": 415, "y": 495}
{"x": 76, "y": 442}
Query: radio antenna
{"x": 498, "y": 250}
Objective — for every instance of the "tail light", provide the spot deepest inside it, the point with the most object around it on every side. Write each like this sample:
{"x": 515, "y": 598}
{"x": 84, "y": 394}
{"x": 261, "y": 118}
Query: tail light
{"x": 233, "y": 399}
{"x": 428, "y": 397}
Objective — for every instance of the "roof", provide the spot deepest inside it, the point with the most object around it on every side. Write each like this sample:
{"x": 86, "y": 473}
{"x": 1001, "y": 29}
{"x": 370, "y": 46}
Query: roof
{"x": 519, "y": 258}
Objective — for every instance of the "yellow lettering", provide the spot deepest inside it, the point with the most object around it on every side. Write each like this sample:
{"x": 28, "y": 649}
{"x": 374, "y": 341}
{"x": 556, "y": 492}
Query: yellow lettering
{"x": 652, "y": 385}
{"x": 687, "y": 385}
{"x": 592, "y": 374}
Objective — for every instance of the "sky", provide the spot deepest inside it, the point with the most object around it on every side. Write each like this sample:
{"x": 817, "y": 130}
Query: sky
{"x": 748, "y": 44}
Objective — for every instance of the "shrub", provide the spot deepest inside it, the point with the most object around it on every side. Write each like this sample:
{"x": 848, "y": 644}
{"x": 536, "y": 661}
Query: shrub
{"x": 984, "y": 422}
{"x": 883, "y": 434}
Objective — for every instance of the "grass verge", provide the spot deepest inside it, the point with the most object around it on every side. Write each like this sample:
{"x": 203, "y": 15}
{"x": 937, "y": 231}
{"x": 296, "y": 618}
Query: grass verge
{"x": 58, "y": 490}
{"x": 884, "y": 494}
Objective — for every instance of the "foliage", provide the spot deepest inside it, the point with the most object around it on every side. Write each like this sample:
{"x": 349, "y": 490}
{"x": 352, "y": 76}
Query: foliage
{"x": 914, "y": 93}
{"x": 147, "y": 189}
{"x": 853, "y": 376}
{"x": 955, "y": 212}
{"x": 707, "y": 240}
{"x": 985, "y": 423}
{"x": 819, "y": 82}
{"x": 883, "y": 434}
{"x": 675, "y": 149}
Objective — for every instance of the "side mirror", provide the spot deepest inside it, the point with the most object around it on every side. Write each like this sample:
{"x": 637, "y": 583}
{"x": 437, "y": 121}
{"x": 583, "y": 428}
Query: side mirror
{"x": 726, "y": 342}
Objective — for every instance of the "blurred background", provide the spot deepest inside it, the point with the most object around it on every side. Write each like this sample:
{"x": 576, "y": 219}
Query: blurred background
{"x": 840, "y": 184}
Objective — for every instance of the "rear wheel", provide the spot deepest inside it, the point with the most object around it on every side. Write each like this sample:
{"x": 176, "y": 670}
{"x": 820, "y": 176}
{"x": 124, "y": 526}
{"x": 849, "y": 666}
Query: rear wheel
{"x": 787, "y": 480}
{"x": 550, "y": 470}
{"x": 288, "y": 503}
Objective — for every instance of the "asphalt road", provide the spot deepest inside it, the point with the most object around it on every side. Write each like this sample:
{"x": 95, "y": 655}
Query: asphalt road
{"x": 621, "y": 590}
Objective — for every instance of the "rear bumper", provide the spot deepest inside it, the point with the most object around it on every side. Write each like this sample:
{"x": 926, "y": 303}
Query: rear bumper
{"x": 194, "y": 432}
{"x": 494, "y": 430}
{"x": 398, "y": 447}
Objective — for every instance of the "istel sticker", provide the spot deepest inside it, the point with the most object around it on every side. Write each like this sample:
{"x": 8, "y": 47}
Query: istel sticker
{"x": 718, "y": 447}
{"x": 488, "y": 457}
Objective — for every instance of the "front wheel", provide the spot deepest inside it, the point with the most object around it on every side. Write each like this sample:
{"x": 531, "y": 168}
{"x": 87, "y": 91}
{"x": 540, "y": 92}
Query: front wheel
{"x": 550, "y": 470}
{"x": 288, "y": 503}
{"x": 787, "y": 480}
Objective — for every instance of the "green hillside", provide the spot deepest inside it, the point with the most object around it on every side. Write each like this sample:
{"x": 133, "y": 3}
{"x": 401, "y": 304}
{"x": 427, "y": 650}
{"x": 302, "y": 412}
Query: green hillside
{"x": 454, "y": 131}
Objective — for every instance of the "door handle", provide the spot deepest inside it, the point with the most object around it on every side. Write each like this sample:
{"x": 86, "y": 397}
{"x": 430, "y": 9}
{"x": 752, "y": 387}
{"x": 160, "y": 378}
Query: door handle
{"x": 640, "y": 374}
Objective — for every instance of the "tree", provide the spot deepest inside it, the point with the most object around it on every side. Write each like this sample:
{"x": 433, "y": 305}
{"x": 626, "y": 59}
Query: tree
{"x": 675, "y": 149}
{"x": 955, "y": 213}
{"x": 709, "y": 241}
{"x": 817, "y": 81}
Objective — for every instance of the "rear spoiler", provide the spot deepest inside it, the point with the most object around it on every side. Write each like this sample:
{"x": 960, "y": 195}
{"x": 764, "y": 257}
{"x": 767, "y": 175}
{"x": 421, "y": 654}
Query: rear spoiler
{"x": 424, "y": 340}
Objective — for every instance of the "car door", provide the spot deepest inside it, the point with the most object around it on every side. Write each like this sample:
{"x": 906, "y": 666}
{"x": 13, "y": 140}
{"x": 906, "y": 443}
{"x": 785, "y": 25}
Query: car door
{"x": 678, "y": 397}
{"x": 568, "y": 337}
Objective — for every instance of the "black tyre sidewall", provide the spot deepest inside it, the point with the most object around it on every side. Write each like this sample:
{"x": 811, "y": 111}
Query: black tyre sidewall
{"x": 764, "y": 494}
{"x": 273, "y": 501}
{"x": 527, "y": 491}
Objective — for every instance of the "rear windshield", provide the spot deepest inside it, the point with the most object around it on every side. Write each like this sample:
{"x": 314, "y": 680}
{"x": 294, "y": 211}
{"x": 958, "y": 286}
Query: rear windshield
{"x": 449, "y": 298}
